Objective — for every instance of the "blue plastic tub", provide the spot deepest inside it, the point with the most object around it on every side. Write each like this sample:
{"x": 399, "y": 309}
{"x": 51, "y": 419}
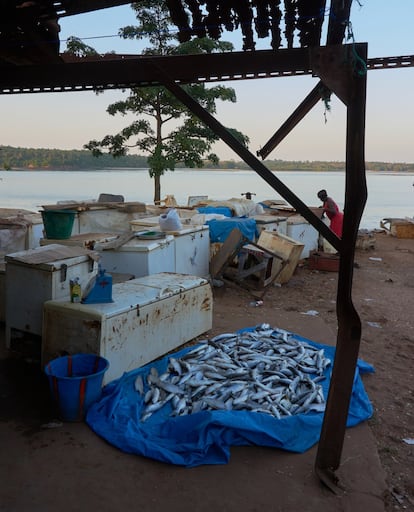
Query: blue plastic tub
{"x": 76, "y": 383}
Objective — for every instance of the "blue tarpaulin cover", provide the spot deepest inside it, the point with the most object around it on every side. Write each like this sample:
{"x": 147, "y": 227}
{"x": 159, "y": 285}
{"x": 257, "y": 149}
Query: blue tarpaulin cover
{"x": 220, "y": 229}
{"x": 206, "y": 437}
{"x": 222, "y": 210}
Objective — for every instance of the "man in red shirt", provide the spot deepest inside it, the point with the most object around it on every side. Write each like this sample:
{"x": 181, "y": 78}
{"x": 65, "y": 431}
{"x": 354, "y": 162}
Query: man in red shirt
{"x": 332, "y": 212}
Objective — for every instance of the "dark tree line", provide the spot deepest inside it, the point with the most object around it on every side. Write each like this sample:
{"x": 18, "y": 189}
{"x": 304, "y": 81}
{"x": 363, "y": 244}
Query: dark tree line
{"x": 59, "y": 159}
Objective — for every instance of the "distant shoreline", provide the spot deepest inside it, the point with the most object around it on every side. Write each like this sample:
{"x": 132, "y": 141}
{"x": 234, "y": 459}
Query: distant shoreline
{"x": 200, "y": 169}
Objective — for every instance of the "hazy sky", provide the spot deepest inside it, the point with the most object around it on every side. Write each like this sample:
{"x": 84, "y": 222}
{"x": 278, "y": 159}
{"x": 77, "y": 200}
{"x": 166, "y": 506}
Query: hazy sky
{"x": 69, "y": 120}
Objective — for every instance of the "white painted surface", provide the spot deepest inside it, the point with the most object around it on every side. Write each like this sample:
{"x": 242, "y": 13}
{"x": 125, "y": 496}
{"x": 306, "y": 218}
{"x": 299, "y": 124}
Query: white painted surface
{"x": 149, "y": 317}
{"x": 140, "y": 257}
{"x": 271, "y": 223}
{"x": 192, "y": 251}
{"x": 28, "y": 286}
{"x": 301, "y": 231}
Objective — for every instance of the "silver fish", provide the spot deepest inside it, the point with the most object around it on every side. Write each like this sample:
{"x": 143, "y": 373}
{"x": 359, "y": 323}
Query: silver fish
{"x": 265, "y": 370}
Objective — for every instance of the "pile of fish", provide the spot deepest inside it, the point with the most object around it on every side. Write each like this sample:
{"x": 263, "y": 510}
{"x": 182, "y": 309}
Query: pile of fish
{"x": 264, "y": 370}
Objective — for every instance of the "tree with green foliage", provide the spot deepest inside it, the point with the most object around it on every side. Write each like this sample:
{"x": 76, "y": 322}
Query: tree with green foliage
{"x": 157, "y": 130}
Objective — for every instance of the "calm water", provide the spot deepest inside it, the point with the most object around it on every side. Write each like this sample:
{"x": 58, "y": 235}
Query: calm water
{"x": 388, "y": 195}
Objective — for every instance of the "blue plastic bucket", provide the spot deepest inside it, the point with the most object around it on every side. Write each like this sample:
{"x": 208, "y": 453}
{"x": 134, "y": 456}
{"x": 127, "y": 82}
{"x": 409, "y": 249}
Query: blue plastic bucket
{"x": 76, "y": 383}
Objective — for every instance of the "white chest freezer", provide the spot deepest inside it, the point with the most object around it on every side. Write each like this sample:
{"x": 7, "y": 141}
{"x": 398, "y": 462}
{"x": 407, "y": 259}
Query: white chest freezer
{"x": 140, "y": 257}
{"x": 300, "y": 230}
{"x": 271, "y": 223}
{"x": 37, "y": 275}
{"x": 149, "y": 317}
{"x": 87, "y": 240}
{"x": 191, "y": 246}
{"x": 102, "y": 218}
{"x": 192, "y": 251}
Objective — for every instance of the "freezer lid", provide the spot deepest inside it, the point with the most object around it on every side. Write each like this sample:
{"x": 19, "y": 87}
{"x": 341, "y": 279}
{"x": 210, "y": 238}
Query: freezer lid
{"x": 169, "y": 283}
{"x": 52, "y": 257}
{"x": 133, "y": 294}
{"x": 124, "y": 299}
{"x": 189, "y": 230}
{"x": 267, "y": 219}
{"x": 137, "y": 245}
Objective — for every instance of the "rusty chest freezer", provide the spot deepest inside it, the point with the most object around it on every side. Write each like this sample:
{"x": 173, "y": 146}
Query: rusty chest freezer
{"x": 149, "y": 316}
{"x": 37, "y": 275}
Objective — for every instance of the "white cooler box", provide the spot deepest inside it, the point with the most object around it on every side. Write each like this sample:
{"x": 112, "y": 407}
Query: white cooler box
{"x": 140, "y": 257}
{"x": 149, "y": 317}
{"x": 37, "y": 275}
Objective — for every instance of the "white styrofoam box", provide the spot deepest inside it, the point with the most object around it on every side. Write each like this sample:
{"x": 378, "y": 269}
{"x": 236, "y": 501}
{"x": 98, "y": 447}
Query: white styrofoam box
{"x": 149, "y": 317}
{"x": 192, "y": 251}
{"x": 271, "y": 223}
{"x": 140, "y": 257}
{"x": 37, "y": 275}
{"x": 300, "y": 230}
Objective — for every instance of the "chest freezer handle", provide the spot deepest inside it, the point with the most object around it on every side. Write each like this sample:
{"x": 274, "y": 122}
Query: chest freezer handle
{"x": 63, "y": 272}
{"x": 168, "y": 290}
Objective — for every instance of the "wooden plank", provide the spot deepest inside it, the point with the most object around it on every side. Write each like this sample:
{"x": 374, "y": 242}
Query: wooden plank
{"x": 227, "y": 252}
{"x": 120, "y": 240}
{"x": 286, "y": 248}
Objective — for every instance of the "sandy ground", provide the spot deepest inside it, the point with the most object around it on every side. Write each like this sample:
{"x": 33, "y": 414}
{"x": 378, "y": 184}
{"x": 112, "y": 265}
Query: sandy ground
{"x": 383, "y": 293}
{"x": 69, "y": 468}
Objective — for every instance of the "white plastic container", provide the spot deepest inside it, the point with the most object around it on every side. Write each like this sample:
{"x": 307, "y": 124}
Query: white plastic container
{"x": 37, "y": 275}
{"x": 149, "y": 317}
{"x": 140, "y": 257}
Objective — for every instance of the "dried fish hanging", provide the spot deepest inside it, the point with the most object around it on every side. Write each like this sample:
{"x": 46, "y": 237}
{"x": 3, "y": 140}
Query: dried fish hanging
{"x": 291, "y": 8}
{"x": 310, "y": 20}
{"x": 275, "y": 17}
{"x": 212, "y": 20}
{"x": 244, "y": 12}
{"x": 211, "y": 17}
{"x": 198, "y": 28}
{"x": 227, "y": 17}
{"x": 261, "y": 22}
{"x": 180, "y": 19}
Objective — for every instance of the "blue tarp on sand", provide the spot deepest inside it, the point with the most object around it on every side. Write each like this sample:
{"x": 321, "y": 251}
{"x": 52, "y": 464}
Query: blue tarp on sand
{"x": 206, "y": 437}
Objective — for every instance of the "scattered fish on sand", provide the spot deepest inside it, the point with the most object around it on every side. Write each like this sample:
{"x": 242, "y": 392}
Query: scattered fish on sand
{"x": 265, "y": 370}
